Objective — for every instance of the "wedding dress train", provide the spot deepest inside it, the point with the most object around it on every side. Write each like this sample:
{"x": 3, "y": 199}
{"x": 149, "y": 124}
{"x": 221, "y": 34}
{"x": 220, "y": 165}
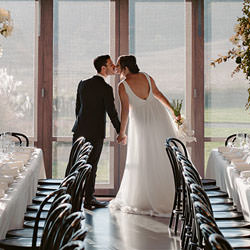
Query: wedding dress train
{"x": 147, "y": 186}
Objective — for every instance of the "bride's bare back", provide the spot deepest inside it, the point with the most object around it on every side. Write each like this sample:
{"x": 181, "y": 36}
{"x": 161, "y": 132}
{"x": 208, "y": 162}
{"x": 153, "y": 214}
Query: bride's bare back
{"x": 139, "y": 85}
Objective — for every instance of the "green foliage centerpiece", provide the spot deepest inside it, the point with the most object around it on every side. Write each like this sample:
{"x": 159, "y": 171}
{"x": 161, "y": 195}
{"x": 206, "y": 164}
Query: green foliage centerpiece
{"x": 241, "y": 46}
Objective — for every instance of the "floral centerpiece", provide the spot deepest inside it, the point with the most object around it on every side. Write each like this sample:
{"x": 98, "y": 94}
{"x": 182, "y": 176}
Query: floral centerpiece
{"x": 6, "y": 25}
{"x": 241, "y": 46}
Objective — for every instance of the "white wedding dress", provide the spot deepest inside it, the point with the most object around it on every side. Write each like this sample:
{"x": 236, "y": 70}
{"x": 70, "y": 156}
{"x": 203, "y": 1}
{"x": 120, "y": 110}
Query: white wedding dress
{"x": 147, "y": 186}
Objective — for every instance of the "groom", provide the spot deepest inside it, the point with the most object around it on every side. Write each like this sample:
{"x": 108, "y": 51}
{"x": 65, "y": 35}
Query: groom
{"x": 95, "y": 99}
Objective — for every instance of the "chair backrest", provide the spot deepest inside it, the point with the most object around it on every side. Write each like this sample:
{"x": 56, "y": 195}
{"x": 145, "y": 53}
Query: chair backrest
{"x": 207, "y": 230}
{"x": 69, "y": 181}
{"x": 78, "y": 163}
{"x": 77, "y": 196}
{"x": 175, "y": 167}
{"x": 73, "y": 153}
{"x": 71, "y": 225}
{"x": 19, "y": 136}
{"x": 64, "y": 198}
{"x": 53, "y": 225}
{"x": 218, "y": 242}
{"x": 177, "y": 143}
{"x": 198, "y": 190}
{"x": 74, "y": 245}
{"x": 55, "y": 194}
{"x": 232, "y": 138}
{"x": 80, "y": 234}
{"x": 189, "y": 170}
{"x": 85, "y": 149}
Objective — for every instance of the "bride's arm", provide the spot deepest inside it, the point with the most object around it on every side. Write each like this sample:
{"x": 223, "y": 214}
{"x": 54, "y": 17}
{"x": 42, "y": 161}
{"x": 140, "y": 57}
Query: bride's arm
{"x": 124, "y": 112}
{"x": 158, "y": 94}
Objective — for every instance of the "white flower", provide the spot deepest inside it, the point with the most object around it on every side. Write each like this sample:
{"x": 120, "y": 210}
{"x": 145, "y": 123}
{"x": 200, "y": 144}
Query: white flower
{"x": 234, "y": 39}
{"x": 237, "y": 28}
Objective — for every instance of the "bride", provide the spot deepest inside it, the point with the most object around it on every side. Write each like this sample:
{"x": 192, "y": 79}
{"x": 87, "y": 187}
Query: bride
{"x": 147, "y": 186}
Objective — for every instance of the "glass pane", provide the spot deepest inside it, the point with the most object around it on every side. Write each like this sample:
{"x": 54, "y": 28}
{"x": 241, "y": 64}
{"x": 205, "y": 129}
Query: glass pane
{"x": 225, "y": 97}
{"x": 104, "y": 171}
{"x": 60, "y": 151}
{"x": 17, "y": 69}
{"x": 76, "y": 43}
{"x": 160, "y": 49}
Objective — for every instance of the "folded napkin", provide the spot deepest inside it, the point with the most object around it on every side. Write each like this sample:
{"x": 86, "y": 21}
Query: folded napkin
{"x": 245, "y": 174}
{"x": 242, "y": 166}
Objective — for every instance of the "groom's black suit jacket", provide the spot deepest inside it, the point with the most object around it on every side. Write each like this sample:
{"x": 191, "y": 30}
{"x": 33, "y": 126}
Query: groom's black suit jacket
{"x": 94, "y": 98}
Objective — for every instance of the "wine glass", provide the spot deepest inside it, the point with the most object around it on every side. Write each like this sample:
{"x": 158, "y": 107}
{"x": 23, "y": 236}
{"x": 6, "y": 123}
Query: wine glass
{"x": 240, "y": 137}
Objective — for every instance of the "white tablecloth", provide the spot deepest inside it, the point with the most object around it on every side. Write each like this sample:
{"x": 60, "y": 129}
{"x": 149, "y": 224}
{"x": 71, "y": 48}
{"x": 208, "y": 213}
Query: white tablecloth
{"x": 229, "y": 180}
{"x": 20, "y": 194}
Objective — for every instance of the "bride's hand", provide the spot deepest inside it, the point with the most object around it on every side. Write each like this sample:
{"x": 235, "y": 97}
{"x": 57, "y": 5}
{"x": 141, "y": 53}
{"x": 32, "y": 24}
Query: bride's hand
{"x": 122, "y": 139}
{"x": 178, "y": 118}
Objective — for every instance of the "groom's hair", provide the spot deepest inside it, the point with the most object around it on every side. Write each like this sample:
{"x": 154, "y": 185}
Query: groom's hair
{"x": 130, "y": 63}
{"x": 100, "y": 61}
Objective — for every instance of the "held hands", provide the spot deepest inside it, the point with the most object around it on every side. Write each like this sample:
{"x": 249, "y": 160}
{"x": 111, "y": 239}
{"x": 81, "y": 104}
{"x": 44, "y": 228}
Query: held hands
{"x": 122, "y": 139}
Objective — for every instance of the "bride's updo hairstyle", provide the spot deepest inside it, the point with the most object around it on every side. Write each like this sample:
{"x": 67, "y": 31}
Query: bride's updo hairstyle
{"x": 130, "y": 63}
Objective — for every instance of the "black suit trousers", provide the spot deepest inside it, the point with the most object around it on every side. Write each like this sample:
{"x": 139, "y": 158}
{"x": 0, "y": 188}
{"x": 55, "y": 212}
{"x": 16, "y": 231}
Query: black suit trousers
{"x": 93, "y": 161}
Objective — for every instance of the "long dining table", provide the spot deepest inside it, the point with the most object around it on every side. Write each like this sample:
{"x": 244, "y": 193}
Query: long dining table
{"x": 230, "y": 177}
{"x": 20, "y": 192}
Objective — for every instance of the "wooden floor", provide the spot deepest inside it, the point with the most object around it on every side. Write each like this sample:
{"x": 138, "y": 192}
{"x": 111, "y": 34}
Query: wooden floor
{"x": 122, "y": 231}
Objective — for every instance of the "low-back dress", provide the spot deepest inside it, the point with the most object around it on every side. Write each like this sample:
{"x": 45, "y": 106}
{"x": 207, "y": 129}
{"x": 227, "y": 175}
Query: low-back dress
{"x": 147, "y": 185}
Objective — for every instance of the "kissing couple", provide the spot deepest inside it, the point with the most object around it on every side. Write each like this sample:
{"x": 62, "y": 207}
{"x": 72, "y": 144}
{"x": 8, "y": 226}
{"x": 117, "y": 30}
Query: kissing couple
{"x": 147, "y": 186}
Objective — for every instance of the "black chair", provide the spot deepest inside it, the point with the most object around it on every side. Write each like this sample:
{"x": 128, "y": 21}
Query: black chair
{"x": 178, "y": 145}
{"x": 28, "y": 232}
{"x": 21, "y": 138}
{"x": 237, "y": 243}
{"x": 75, "y": 188}
{"x": 67, "y": 183}
{"x": 179, "y": 198}
{"x": 74, "y": 245}
{"x": 51, "y": 228}
{"x": 218, "y": 215}
{"x": 60, "y": 197}
{"x": 232, "y": 138}
{"x": 72, "y": 159}
{"x": 71, "y": 225}
{"x": 227, "y": 232}
{"x": 218, "y": 242}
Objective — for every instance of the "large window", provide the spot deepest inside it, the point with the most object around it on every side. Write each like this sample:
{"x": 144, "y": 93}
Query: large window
{"x": 18, "y": 69}
{"x": 225, "y": 96}
{"x": 81, "y": 32}
{"x": 158, "y": 41}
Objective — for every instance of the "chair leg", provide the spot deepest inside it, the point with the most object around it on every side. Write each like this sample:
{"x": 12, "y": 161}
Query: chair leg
{"x": 176, "y": 223}
{"x": 172, "y": 214}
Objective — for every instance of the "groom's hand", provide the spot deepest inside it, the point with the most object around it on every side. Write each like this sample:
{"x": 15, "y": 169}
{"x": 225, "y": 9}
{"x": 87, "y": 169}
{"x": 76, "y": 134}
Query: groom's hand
{"x": 122, "y": 139}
